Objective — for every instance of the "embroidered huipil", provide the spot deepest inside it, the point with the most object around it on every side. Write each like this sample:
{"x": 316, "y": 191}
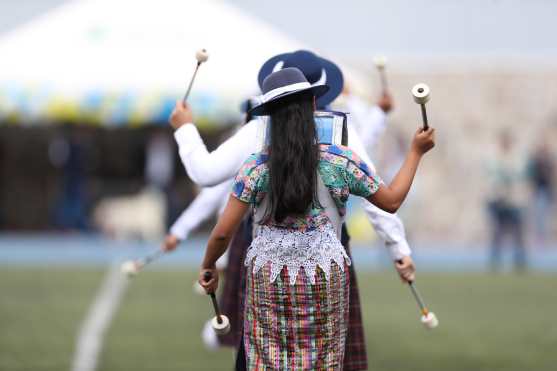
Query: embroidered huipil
{"x": 210, "y": 168}
{"x": 307, "y": 241}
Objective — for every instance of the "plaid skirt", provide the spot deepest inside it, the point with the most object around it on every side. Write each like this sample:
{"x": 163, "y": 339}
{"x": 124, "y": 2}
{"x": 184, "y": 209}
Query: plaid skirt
{"x": 296, "y": 327}
{"x": 232, "y": 301}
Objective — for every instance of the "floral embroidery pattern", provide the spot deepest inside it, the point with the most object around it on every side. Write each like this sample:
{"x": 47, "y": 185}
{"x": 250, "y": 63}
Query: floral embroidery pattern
{"x": 342, "y": 171}
{"x": 307, "y": 241}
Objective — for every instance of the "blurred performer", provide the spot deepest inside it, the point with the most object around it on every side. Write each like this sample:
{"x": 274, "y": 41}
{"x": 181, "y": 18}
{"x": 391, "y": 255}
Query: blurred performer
{"x": 211, "y": 168}
{"x": 507, "y": 202}
{"x": 541, "y": 171}
{"x": 369, "y": 121}
{"x": 208, "y": 202}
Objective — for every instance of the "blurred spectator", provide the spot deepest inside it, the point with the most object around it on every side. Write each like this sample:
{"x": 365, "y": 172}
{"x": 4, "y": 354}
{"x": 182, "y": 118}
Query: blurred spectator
{"x": 67, "y": 152}
{"x": 2, "y": 208}
{"x": 159, "y": 162}
{"x": 159, "y": 169}
{"x": 541, "y": 169}
{"x": 507, "y": 202}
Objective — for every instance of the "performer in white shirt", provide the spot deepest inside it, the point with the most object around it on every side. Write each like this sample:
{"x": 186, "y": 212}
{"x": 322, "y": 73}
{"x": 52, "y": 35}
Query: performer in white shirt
{"x": 212, "y": 168}
{"x": 208, "y": 202}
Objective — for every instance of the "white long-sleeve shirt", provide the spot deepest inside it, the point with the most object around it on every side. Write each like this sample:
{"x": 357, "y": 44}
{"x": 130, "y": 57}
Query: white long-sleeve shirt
{"x": 207, "y": 203}
{"x": 208, "y": 169}
{"x": 370, "y": 123}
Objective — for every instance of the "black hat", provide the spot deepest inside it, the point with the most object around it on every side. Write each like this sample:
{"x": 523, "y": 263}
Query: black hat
{"x": 284, "y": 83}
{"x": 317, "y": 71}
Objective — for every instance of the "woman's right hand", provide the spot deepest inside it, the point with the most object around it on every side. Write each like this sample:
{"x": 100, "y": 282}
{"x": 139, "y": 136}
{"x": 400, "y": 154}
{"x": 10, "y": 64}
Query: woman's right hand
{"x": 406, "y": 269}
{"x": 213, "y": 283}
{"x": 170, "y": 243}
{"x": 423, "y": 141}
{"x": 181, "y": 115}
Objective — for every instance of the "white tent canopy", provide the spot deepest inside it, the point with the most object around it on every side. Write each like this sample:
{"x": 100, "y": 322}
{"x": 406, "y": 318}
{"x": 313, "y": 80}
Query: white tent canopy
{"x": 126, "y": 62}
{"x": 99, "y": 54}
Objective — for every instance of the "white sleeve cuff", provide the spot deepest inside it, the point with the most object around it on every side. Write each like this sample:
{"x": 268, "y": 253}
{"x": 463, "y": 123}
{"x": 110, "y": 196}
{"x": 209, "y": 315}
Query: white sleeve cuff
{"x": 188, "y": 138}
{"x": 175, "y": 230}
{"x": 398, "y": 249}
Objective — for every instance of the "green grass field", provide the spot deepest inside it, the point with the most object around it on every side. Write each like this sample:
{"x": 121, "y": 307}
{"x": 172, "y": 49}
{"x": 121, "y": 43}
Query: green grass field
{"x": 487, "y": 322}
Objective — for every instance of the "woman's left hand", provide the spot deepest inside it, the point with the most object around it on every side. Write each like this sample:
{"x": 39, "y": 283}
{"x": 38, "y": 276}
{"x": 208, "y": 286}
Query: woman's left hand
{"x": 211, "y": 285}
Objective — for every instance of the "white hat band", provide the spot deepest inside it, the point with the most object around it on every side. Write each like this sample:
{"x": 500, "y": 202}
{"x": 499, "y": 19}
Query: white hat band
{"x": 285, "y": 89}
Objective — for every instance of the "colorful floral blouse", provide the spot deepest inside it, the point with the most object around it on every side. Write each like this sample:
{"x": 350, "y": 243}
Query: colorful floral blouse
{"x": 342, "y": 171}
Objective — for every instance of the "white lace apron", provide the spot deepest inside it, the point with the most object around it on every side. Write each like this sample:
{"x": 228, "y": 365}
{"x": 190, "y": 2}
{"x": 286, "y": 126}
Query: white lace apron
{"x": 293, "y": 249}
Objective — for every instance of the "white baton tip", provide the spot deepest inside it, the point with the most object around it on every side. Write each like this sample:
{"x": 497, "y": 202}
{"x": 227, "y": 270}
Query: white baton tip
{"x": 430, "y": 320}
{"x": 380, "y": 61}
{"x": 201, "y": 55}
{"x": 420, "y": 93}
{"x": 129, "y": 268}
{"x": 223, "y": 327}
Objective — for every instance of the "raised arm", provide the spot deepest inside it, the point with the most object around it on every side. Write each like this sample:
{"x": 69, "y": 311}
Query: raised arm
{"x": 220, "y": 238}
{"x": 389, "y": 198}
{"x": 388, "y": 226}
{"x": 210, "y": 168}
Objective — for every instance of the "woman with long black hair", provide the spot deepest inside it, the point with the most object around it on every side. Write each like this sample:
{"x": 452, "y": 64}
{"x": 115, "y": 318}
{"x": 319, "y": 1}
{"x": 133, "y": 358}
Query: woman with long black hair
{"x": 297, "y": 283}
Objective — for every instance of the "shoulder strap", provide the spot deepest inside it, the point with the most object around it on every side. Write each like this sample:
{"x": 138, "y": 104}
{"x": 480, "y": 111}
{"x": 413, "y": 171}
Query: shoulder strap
{"x": 259, "y": 211}
{"x": 325, "y": 199}
{"x": 331, "y": 209}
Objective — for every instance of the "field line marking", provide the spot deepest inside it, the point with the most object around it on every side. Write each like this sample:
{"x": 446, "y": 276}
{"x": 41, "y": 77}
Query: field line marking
{"x": 91, "y": 334}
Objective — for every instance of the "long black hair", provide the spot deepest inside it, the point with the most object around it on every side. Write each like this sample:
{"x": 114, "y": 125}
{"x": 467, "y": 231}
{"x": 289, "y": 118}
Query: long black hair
{"x": 293, "y": 157}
